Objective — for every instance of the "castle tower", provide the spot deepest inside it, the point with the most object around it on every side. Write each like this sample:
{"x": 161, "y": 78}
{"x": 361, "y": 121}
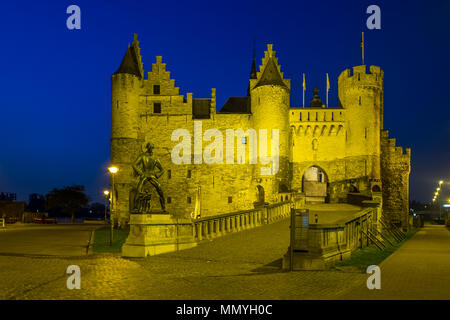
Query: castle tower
{"x": 361, "y": 94}
{"x": 125, "y": 87}
{"x": 269, "y": 95}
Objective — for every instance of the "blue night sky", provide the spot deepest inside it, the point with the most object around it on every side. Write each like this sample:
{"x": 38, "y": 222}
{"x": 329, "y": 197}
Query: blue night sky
{"x": 55, "y": 82}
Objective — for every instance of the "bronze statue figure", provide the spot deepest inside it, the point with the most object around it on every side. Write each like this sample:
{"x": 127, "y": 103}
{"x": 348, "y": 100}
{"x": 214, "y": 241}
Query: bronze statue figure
{"x": 149, "y": 170}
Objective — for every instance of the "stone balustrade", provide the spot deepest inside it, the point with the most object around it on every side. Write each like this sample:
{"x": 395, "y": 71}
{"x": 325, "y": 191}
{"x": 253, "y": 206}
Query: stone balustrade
{"x": 220, "y": 225}
{"x": 318, "y": 246}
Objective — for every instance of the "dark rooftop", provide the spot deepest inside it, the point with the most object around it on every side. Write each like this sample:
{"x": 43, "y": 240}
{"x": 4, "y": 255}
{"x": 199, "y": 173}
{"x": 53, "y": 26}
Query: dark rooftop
{"x": 130, "y": 63}
{"x": 201, "y": 108}
{"x": 236, "y": 105}
{"x": 271, "y": 75}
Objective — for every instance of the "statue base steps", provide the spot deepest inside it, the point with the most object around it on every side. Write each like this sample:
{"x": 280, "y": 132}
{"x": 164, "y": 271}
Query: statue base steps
{"x": 156, "y": 233}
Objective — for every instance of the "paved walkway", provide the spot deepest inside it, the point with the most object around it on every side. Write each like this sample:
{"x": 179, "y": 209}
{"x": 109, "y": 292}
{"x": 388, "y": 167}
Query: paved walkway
{"x": 420, "y": 269}
{"x": 53, "y": 240}
{"x": 243, "y": 265}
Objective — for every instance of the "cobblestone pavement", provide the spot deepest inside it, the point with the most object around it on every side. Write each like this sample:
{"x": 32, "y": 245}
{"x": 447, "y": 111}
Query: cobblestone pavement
{"x": 420, "y": 269}
{"x": 243, "y": 265}
{"x": 68, "y": 240}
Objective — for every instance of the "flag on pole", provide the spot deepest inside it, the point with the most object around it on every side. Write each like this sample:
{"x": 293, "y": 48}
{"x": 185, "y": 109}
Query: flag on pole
{"x": 304, "y": 89}
{"x": 362, "y": 47}
{"x": 328, "y": 83}
{"x": 197, "y": 209}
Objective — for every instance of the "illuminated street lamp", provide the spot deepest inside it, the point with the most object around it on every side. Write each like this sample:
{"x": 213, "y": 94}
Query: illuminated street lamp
{"x": 441, "y": 182}
{"x": 112, "y": 170}
{"x": 106, "y": 193}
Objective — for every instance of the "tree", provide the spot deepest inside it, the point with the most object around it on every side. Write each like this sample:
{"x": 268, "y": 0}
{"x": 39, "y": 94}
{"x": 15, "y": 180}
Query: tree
{"x": 68, "y": 199}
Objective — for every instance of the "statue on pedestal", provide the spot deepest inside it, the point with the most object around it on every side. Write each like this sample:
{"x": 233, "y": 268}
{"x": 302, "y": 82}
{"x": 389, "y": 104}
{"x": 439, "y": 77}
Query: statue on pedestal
{"x": 149, "y": 170}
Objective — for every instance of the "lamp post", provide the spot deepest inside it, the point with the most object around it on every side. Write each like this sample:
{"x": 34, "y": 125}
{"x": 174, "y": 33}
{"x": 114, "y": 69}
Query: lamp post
{"x": 437, "y": 198}
{"x": 439, "y": 202}
{"x": 112, "y": 170}
{"x": 106, "y": 193}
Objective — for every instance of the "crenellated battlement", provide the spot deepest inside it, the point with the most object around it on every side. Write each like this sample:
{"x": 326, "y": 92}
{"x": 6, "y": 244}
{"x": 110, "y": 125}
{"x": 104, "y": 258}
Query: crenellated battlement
{"x": 311, "y": 115}
{"x": 392, "y": 149}
{"x": 359, "y": 76}
{"x": 341, "y": 143}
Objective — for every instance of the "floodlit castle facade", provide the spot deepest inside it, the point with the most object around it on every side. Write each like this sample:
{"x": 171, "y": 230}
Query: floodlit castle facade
{"x": 323, "y": 153}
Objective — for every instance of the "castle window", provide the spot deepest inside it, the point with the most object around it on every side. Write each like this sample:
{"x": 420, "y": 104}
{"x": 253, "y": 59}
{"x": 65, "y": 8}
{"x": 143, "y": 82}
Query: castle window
{"x": 169, "y": 174}
{"x": 359, "y": 76}
{"x": 308, "y": 116}
{"x": 169, "y": 200}
{"x": 300, "y": 116}
{"x": 332, "y": 116}
{"x": 244, "y": 140}
{"x": 365, "y": 133}
{"x": 259, "y": 100}
{"x": 189, "y": 173}
{"x": 359, "y": 100}
{"x": 189, "y": 200}
{"x": 157, "y": 107}
{"x": 156, "y": 89}
{"x": 317, "y": 116}
{"x": 230, "y": 199}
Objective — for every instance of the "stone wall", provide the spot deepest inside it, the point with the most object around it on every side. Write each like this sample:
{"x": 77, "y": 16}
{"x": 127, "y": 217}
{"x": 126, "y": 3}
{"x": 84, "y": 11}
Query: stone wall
{"x": 395, "y": 170}
{"x": 344, "y": 141}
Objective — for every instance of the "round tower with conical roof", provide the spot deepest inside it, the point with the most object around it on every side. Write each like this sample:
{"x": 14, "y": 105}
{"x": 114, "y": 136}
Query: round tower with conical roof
{"x": 126, "y": 83}
{"x": 269, "y": 95}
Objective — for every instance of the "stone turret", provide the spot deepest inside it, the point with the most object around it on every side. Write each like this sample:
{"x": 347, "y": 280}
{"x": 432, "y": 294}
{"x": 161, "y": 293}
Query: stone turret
{"x": 361, "y": 93}
{"x": 269, "y": 94}
{"x": 125, "y": 87}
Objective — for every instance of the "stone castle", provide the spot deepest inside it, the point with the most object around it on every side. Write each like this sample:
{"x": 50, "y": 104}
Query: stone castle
{"x": 325, "y": 153}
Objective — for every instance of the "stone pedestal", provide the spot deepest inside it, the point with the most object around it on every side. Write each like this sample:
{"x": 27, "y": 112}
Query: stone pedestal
{"x": 156, "y": 233}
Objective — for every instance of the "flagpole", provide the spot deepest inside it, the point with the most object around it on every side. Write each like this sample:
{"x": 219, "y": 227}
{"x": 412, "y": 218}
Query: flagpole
{"x": 362, "y": 47}
{"x": 328, "y": 87}
{"x": 304, "y": 90}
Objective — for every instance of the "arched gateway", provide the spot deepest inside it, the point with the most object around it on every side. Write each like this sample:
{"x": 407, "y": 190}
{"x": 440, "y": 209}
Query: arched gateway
{"x": 314, "y": 184}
